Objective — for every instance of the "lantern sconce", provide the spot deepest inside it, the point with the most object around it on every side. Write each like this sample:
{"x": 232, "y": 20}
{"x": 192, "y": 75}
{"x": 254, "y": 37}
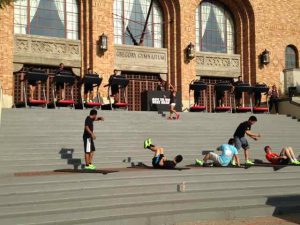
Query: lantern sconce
{"x": 265, "y": 57}
{"x": 190, "y": 51}
{"x": 103, "y": 42}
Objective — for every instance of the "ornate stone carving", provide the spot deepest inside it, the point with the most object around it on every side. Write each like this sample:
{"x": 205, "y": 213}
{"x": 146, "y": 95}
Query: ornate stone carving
{"x": 46, "y": 50}
{"x": 143, "y": 59}
{"x": 216, "y": 64}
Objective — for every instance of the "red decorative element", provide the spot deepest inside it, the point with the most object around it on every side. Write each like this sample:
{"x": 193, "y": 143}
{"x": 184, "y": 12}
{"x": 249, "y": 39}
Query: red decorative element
{"x": 260, "y": 109}
{"x": 121, "y": 104}
{"x": 197, "y": 108}
{"x": 66, "y": 102}
{"x": 223, "y": 108}
{"x": 92, "y": 104}
{"x": 37, "y": 102}
{"x": 243, "y": 109}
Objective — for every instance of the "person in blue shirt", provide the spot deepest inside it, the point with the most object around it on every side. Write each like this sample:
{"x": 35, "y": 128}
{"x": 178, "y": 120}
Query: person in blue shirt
{"x": 229, "y": 152}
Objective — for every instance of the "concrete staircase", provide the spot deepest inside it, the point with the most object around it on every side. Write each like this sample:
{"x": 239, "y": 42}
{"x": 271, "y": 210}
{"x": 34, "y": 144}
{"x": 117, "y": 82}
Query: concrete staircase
{"x": 46, "y": 140}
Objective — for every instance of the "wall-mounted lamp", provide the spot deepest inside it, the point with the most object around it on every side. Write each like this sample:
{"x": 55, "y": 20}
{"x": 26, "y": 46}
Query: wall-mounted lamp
{"x": 190, "y": 51}
{"x": 265, "y": 57}
{"x": 103, "y": 42}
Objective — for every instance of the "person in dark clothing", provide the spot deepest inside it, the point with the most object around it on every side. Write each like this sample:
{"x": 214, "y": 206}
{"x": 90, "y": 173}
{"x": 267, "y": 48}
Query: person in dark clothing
{"x": 237, "y": 94}
{"x": 88, "y": 88}
{"x": 240, "y": 139}
{"x": 173, "y": 100}
{"x": 159, "y": 160}
{"x": 197, "y": 97}
{"x": 60, "y": 87}
{"x": 114, "y": 91}
{"x": 220, "y": 97}
{"x": 274, "y": 98}
{"x": 89, "y": 137}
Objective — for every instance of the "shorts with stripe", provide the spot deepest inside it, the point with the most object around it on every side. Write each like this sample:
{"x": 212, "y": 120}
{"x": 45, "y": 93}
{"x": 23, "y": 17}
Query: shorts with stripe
{"x": 89, "y": 145}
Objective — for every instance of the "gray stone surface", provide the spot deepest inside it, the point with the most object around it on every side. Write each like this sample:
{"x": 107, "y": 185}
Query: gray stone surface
{"x": 32, "y": 139}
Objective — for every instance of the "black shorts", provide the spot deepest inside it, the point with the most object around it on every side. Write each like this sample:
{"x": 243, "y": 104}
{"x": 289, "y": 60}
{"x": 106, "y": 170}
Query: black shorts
{"x": 88, "y": 144}
{"x": 32, "y": 83}
{"x": 88, "y": 88}
{"x": 283, "y": 161}
{"x": 156, "y": 160}
{"x": 59, "y": 86}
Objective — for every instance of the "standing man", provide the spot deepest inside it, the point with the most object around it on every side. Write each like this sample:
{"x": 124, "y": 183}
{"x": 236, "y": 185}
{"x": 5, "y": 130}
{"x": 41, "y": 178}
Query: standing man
{"x": 237, "y": 94}
{"x": 89, "y": 88}
{"x": 60, "y": 86}
{"x": 89, "y": 137}
{"x": 274, "y": 98}
{"x": 240, "y": 139}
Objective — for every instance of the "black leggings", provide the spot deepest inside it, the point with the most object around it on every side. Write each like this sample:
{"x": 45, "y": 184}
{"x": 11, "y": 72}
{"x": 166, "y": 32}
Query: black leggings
{"x": 273, "y": 101}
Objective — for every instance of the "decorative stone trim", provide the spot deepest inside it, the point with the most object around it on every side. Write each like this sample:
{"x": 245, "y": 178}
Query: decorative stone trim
{"x": 217, "y": 64}
{"x": 31, "y": 49}
{"x": 141, "y": 59}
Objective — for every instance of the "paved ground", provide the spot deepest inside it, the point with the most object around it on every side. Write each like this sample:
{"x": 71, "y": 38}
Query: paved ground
{"x": 283, "y": 220}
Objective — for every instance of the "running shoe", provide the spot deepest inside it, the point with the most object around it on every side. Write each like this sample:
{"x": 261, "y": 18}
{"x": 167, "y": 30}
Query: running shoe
{"x": 87, "y": 167}
{"x": 199, "y": 162}
{"x": 147, "y": 143}
{"x": 249, "y": 162}
{"x": 296, "y": 162}
{"x": 92, "y": 167}
{"x": 233, "y": 163}
{"x": 177, "y": 116}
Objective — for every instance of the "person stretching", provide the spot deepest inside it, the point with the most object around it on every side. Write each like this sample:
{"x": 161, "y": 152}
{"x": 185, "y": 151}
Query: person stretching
{"x": 89, "y": 137}
{"x": 159, "y": 160}
{"x": 285, "y": 157}
{"x": 229, "y": 152}
{"x": 240, "y": 139}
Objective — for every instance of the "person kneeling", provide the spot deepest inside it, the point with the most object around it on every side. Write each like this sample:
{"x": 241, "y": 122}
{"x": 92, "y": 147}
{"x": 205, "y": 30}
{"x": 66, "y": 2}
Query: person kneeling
{"x": 159, "y": 160}
{"x": 229, "y": 153}
{"x": 286, "y": 156}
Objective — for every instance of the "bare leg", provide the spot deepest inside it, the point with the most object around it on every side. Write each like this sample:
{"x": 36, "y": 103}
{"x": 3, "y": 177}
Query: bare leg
{"x": 246, "y": 152}
{"x": 91, "y": 157}
{"x": 290, "y": 150}
{"x": 87, "y": 159}
{"x": 286, "y": 152}
{"x": 91, "y": 96}
{"x": 206, "y": 157}
{"x": 63, "y": 93}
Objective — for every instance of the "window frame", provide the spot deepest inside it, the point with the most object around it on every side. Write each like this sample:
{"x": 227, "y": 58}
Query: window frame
{"x": 295, "y": 55}
{"x": 66, "y": 30}
{"x": 228, "y": 16}
{"x": 152, "y": 24}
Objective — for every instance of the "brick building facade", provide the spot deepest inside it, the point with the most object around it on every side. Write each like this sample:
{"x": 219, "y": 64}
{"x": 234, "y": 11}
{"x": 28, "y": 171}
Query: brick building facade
{"x": 257, "y": 25}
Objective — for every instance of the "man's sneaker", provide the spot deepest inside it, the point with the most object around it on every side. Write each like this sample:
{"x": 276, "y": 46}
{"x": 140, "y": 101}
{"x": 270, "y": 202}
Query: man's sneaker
{"x": 147, "y": 143}
{"x": 87, "y": 167}
{"x": 233, "y": 163}
{"x": 199, "y": 162}
{"x": 295, "y": 162}
{"x": 249, "y": 162}
{"x": 92, "y": 167}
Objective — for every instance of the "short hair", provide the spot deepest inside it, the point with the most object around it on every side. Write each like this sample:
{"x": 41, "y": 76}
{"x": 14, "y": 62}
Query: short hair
{"x": 178, "y": 158}
{"x": 231, "y": 141}
{"x": 93, "y": 112}
{"x": 61, "y": 64}
{"x": 267, "y": 147}
{"x": 252, "y": 118}
{"x": 89, "y": 68}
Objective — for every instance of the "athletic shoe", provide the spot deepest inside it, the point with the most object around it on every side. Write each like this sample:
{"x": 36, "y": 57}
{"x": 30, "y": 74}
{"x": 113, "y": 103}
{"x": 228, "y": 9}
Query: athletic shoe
{"x": 92, "y": 167}
{"x": 149, "y": 141}
{"x": 249, "y": 162}
{"x": 87, "y": 167}
{"x": 199, "y": 162}
{"x": 233, "y": 163}
{"x": 295, "y": 162}
{"x": 145, "y": 143}
{"x": 177, "y": 116}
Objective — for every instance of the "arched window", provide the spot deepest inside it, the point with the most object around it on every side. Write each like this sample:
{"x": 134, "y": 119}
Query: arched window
{"x": 214, "y": 29}
{"x": 53, "y": 18}
{"x": 138, "y": 22}
{"x": 291, "y": 57}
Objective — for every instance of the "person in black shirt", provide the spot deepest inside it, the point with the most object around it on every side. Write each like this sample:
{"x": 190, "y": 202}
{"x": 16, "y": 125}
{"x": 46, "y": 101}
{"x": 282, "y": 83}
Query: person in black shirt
{"x": 238, "y": 94}
{"x": 89, "y": 137}
{"x": 60, "y": 87}
{"x": 240, "y": 139}
{"x": 89, "y": 88}
{"x": 159, "y": 161}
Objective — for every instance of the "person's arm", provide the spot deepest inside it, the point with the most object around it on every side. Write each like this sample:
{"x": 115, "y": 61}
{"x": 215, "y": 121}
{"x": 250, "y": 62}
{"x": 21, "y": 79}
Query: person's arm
{"x": 100, "y": 118}
{"x": 90, "y": 132}
{"x": 237, "y": 159}
{"x": 253, "y": 135}
{"x": 219, "y": 148}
